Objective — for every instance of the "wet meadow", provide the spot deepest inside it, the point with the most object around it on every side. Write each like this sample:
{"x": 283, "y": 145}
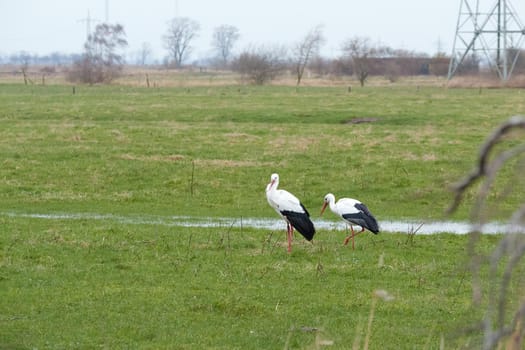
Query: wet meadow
{"x": 69, "y": 155}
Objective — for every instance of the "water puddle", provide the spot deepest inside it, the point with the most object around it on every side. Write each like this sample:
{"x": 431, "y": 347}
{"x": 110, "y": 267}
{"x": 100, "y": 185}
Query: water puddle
{"x": 406, "y": 226}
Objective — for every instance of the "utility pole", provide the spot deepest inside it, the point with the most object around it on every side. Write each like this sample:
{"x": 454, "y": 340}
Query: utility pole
{"x": 88, "y": 20}
{"x": 496, "y": 34}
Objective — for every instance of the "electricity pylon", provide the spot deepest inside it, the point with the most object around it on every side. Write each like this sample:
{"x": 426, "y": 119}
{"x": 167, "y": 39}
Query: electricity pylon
{"x": 496, "y": 35}
{"x": 88, "y": 20}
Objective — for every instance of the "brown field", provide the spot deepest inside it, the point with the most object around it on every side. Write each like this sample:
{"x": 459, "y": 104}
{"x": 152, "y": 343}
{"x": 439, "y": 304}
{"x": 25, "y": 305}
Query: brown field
{"x": 162, "y": 77}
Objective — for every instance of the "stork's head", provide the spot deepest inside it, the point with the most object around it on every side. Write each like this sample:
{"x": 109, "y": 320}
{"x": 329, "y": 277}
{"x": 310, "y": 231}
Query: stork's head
{"x": 329, "y": 198}
{"x": 274, "y": 180}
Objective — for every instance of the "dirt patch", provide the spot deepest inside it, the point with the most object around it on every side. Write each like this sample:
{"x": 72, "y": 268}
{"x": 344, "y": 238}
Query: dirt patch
{"x": 361, "y": 120}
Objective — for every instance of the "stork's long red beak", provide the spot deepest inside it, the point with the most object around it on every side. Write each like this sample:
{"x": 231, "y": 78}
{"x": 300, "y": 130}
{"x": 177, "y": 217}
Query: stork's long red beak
{"x": 323, "y": 208}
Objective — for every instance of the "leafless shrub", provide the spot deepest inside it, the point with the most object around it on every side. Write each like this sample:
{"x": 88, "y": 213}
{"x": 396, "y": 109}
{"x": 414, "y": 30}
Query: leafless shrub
{"x": 495, "y": 275}
{"x": 392, "y": 71}
{"x": 101, "y": 61}
{"x": 260, "y": 65}
{"x": 48, "y": 70}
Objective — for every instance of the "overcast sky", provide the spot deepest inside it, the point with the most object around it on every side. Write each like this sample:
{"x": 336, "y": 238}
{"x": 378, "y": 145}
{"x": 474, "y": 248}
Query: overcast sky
{"x": 45, "y": 26}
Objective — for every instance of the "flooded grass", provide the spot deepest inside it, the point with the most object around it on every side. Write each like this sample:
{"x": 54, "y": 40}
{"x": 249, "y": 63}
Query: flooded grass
{"x": 400, "y": 226}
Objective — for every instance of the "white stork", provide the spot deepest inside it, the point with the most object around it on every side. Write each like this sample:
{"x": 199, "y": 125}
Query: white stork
{"x": 353, "y": 212}
{"x": 291, "y": 210}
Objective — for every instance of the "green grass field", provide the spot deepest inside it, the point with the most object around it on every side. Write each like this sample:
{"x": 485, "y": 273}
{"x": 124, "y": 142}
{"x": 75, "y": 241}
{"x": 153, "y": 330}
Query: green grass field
{"x": 208, "y": 152}
{"x": 99, "y": 285}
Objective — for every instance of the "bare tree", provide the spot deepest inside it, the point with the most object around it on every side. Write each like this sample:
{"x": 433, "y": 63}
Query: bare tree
{"x": 144, "y": 53}
{"x": 260, "y": 65}
{"x": 101, "y": 61}
{"x": 359, "y": 50}
{"x": 181, "y": 31}
{"x": 306, "y": 49}
{"x": 224, "y": 38}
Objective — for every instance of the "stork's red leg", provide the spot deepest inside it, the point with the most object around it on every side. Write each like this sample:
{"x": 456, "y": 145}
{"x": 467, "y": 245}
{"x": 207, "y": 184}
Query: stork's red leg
{"x": 353, "y": 235}
{"x": 349, "y": 236}
{"x": 362, "y": 230}
{"x": 289, "y": 235}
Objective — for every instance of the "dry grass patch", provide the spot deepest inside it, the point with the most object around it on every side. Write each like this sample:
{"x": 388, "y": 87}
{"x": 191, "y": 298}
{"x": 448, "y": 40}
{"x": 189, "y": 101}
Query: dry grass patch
{"x": 119, "y": 136}
{"x": 427, "y": 134}
{"x": 230, "y": 163}
{"x": 240, "y": 138}
{"x": 347, "y": 137}
{"x": 292, "y": 144}
{"x": 488, "y": 81}
{"x": 427, "y": 157}
{"x": 218, "y": 163}
{"x": 154, "y": 158}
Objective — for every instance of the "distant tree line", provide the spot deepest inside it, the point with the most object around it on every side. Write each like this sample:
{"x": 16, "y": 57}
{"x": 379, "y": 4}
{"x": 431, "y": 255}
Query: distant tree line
{"x": 103, "y": 56}
{"x": 53, "y": 59}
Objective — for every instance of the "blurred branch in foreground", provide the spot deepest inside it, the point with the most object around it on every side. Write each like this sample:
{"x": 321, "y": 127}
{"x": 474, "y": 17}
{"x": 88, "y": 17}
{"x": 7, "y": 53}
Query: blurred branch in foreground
{"x": 498, "y": 278}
